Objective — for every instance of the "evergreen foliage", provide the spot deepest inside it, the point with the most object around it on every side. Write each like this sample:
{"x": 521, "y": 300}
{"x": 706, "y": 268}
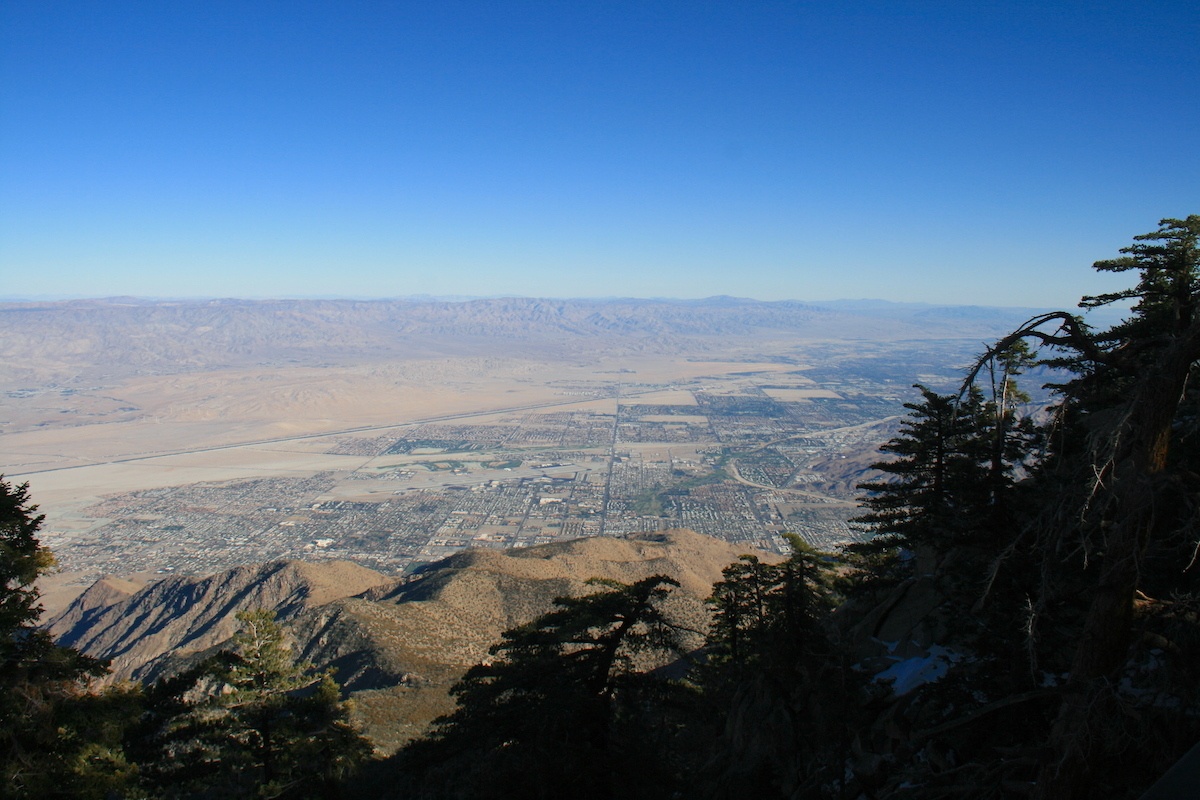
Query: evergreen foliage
{"x": 771, "y": 615}
{"x": 250, "y": 722}
{"x": 1056, "y": 585}
{"x": 938, "y": 477}
{"x": 1123, "y": 465}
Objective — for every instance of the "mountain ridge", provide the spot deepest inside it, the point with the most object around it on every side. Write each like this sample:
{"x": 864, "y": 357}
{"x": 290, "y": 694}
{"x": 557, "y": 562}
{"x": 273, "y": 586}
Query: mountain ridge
{"x": 397, "y": 645}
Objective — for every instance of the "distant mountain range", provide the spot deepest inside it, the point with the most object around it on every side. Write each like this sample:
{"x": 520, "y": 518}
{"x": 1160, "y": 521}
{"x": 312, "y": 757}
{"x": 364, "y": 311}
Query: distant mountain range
{"x": 128, "y": 335}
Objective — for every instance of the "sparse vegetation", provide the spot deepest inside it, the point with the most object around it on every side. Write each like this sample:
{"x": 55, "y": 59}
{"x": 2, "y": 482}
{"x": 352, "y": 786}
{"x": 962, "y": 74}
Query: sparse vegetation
{"x": 442, "y": 466}
{"x": 511, "y": 463}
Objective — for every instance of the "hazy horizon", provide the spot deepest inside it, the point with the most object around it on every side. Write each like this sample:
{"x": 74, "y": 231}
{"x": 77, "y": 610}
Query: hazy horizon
{"x": 50, "y": 298}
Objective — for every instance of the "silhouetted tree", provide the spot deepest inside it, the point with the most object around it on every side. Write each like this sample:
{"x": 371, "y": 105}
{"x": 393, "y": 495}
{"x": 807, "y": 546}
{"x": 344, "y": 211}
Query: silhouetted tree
{"x": 557, "y": 710}
{"x": 1124, "y": 502}
{"x": 1106, "y": 516}
{"x": 771, "y": 613}
{"x": 778, "y": 679}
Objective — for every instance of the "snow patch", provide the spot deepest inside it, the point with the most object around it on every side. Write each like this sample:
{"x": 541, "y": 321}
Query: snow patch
{"x": 913, "y": 672}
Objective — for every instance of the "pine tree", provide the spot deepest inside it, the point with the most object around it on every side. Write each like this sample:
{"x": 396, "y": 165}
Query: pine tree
{"x": 771, "y": 614}
{"x": 937, "y": 492}
{"x": 1014, "y": 439}
{"x": 250, "y": 722}
{"x": 1110, "y": 522}
{"x": 1134, "y": 508}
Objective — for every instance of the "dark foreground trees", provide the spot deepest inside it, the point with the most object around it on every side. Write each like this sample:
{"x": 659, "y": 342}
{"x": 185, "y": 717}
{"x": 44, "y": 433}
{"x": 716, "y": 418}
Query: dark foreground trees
{"x": 1090, "y": 580}
{"x": 777, "y": 681}
{"x": 596, "y": 700}
{"x": 53, "y": 741}
{"x": 1126, "y": 464}
{"x": 1025, "y": 622}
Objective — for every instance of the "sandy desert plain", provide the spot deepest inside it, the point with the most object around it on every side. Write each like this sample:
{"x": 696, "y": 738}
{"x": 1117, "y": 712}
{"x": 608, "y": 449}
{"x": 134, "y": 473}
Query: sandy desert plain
{"x": 392, "y": 460}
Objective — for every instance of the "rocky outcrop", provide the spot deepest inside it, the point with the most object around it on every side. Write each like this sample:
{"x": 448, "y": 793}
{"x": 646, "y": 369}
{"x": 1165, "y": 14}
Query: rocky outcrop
{"x": 83, "y": 612}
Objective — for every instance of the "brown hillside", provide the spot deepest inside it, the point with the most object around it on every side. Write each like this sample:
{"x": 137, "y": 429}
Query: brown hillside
{"x": 399, "y": 651}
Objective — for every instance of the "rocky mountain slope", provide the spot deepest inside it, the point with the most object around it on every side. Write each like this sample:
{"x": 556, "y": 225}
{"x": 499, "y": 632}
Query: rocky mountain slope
{"x": 397, "y": 646}
{"x": 140, "y": 630}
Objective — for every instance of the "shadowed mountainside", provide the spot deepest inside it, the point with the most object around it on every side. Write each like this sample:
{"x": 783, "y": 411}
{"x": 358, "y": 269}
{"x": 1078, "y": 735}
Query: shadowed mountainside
{"x": 138, "y": 629}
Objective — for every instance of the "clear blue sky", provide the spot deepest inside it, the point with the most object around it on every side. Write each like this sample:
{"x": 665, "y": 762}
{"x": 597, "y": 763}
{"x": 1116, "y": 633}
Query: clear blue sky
{"x": 967, "y": 152}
